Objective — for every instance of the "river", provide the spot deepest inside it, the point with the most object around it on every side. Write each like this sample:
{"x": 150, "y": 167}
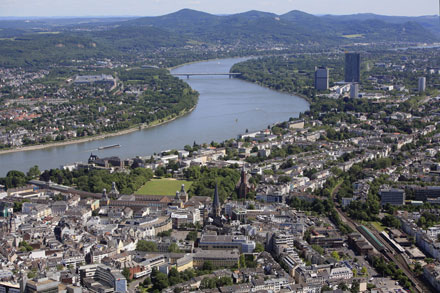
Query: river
{"x": 226, "y": 108}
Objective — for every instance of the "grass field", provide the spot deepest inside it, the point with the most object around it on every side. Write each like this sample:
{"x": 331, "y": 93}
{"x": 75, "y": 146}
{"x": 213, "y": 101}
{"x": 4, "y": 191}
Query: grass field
{"x": 353, "y": 36}
{"x": 163, "y": 187}
{"x": 378, "y": 226}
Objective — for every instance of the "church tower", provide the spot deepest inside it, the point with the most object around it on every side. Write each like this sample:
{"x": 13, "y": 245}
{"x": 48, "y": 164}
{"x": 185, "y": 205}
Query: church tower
{"x": 177, "y": 202}
{"x": 216, "y": 208}
{"x": 243, "y": 185}
{"x": 104, "y": 198}
{"x": 114, "y": 193}
{"x": 183, "y": 195}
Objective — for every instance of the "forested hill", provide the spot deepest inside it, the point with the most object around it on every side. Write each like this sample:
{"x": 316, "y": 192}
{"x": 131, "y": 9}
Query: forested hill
{"x": 188, "y": 32}
{"x": 295, "y": 26}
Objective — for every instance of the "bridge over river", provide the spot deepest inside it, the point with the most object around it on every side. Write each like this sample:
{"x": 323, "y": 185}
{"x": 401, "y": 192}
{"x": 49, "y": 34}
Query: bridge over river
{"x": 230, "y": 74}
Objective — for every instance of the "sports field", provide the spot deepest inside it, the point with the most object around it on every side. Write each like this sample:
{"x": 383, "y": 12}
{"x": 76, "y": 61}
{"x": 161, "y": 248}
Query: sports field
{"x": 164, "y": 186}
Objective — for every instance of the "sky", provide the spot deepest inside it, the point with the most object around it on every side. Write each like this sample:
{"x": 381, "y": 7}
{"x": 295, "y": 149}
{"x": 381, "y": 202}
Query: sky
{"x": 161, "y": 7}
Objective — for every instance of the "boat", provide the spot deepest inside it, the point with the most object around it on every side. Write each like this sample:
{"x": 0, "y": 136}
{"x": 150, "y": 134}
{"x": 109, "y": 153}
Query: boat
{"x": 109, "y": 147}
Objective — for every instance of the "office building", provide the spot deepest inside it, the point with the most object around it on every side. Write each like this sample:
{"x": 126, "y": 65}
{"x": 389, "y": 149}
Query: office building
{"x": 218, "y": 258}
{"x": 41, "y": 285}
{"x": 321, "y": 78}
{"x": 422, "y": 84}
{"x": 392, "y": 196}
{"x": 427, "y": 193}
{"x": 103, "y": 79}
{"x": 352, "y": 67}
{"x": 101, "y": 278}
{"x": 240, "y": 242}
{"x": 354, "y": 90}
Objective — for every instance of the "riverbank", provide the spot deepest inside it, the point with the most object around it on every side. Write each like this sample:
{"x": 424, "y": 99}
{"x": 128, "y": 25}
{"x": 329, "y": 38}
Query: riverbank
{"x": 96, "y": 137}
{"x": 208, "y": 60}
{"x": 302, "y": 96}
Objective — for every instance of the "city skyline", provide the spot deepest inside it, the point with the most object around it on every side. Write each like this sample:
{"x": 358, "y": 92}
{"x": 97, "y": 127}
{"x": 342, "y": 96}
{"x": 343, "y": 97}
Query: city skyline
{"x": 66, "y": 8}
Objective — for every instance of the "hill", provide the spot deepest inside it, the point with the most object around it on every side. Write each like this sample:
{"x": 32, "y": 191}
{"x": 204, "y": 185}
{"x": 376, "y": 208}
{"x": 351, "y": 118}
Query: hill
{"x": 255, "y": 27}
{"x": 40, "y": 41}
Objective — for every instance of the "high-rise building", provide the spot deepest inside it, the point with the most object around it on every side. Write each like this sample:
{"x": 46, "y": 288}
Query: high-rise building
{"x": 352, "y": 67}
{"x": 321, "y": 78}
{"x": 422, "y": 84}
{"x": 354, "y": 90}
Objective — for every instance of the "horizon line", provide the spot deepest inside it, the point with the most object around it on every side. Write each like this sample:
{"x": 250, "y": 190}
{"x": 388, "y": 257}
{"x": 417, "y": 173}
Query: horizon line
{"x": 221, "y": 14}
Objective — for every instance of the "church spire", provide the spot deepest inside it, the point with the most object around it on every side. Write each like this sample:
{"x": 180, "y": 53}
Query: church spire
{"x": 216, "y": 204}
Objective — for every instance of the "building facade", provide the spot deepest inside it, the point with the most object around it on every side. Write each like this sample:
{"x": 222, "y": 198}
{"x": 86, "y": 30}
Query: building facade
{"x": 352, "y": 67}
{"x": 321, "y": 78}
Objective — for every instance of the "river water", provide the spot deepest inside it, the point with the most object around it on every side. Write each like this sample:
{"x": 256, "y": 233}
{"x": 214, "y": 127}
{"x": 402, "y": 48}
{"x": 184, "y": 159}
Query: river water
{"x": 226, "y": 108}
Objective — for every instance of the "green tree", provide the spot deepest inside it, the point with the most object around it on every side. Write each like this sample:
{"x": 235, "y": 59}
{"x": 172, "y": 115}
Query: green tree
{"x": 208, "y": 266}
{"x": 34, "y": 172}
{"x": 126, "y": 274}
{"x": 192, "y": 236}
{"x": 242, "y": 261}
{"x": 208, "y": 283}
{"x": 144, "y": 245}
{"x": 335, "y": 255}
{"x": 259, "y": 247}
{"x": 159, "y": 280}
{"x": 174, "y": 248}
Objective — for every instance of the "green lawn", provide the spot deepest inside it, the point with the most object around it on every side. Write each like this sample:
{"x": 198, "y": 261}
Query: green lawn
{"x": 163, "y": 187}
{"x": 378, "y": 226}
{"x": 353, "y": 36}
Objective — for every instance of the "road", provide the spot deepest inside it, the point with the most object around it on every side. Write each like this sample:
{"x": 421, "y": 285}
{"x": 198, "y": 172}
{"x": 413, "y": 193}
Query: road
{"x": 134, "y": 284}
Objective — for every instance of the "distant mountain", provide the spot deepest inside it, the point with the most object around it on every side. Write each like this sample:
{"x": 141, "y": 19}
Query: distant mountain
{"x": 294, "y": 27}
{"x": 430, "y": 22}
{"x": 138, "y": 38}
{"x": 246, "y": 28}
{"x": 60, "y": 40}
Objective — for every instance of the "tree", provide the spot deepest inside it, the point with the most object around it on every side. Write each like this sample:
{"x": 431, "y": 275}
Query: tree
{"x": 355, "y": 286}
{"x": 160, "y": 281}
{"x": 33, "y": 172}
{"x": 335, "y": 255}
{"x": 224, "y": 281}
{"x": 174, "y": 277}
{"x": 355, "y": 273}
{"x": 144, "y": 245}
{"x": 192, "y": 236}
{"x": 126, "y": 274}
{"x": 208, "y": 266}
{"x": 343, "y": 286}
{"x": 391, "y": 221}
{"x": 24, "y": 246}
{"x": 318, "y": 248}
{"x": 208, "y": 283}
{"x": 174, "y": 248}
{"x": 147, "y": 282}
{"x": 242, "y": 262}
{"x": 259, "y": 247}
{"x": 14, "y": 179}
